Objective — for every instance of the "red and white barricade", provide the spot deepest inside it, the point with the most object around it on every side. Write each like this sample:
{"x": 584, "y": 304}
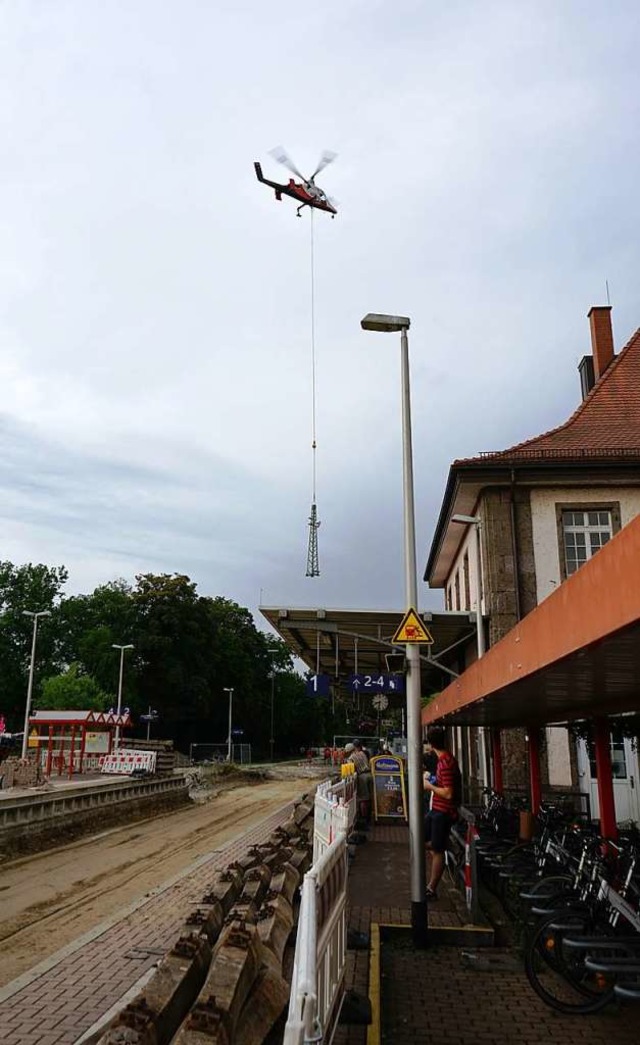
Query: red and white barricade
{"x": 126, "y": 761}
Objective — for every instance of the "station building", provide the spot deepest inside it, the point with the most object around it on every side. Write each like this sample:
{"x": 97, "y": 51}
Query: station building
{"x": 535, "y": 516}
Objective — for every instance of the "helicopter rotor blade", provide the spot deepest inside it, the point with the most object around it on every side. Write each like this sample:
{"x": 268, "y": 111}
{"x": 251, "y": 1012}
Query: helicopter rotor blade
{"x": 282, "y": 157}
{"x": 326, "y": 158}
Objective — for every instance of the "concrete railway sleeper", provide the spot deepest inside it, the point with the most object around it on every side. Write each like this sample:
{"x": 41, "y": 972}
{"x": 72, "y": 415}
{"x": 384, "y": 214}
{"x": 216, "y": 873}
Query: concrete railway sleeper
{"x": 222, "y": 982}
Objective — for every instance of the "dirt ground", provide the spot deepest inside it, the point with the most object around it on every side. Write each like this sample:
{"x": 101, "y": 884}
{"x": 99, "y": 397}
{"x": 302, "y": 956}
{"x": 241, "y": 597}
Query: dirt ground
{"x": 49, "y": 899}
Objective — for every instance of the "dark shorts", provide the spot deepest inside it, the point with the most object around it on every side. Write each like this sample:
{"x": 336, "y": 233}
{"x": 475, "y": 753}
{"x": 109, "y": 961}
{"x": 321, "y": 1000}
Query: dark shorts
{"x": 437, "y": 828}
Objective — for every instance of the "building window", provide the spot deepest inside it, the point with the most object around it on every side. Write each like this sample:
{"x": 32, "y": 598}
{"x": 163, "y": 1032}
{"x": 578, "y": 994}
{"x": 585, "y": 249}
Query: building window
{"x": 583, "y": 534}
{"x": 467, "y": 587}
{"x": 457, "y": 586}
{"x": 618, "y": 760}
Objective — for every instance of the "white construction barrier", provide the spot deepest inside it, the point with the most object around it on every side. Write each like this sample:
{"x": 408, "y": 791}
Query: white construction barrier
{"x": 334, "y": 811}
{"x": 317, "y": 986}
{"x": 127, "y": 760}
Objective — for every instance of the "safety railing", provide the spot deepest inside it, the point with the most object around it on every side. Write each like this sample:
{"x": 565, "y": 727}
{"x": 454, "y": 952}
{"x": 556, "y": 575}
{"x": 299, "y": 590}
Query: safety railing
{"x": 334, "y": 811}
{"x": 317, "y": 985}
{"x": 465, "y": 834}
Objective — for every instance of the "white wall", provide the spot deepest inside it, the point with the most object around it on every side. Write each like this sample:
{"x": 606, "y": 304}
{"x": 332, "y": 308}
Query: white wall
{"x": 468, "y": 545}
{"x": 545, "y": 528}
{"x": 547, "y": 553}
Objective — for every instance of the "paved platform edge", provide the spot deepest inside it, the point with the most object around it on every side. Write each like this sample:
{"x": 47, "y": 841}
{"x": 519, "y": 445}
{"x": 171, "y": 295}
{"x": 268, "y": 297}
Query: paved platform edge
{"x": 44, "y": 966}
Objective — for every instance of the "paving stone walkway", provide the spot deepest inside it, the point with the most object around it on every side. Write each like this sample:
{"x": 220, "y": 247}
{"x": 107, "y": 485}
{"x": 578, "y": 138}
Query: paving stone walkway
{"x": 59, "y": 1000}
{"x": 435, "y": 995}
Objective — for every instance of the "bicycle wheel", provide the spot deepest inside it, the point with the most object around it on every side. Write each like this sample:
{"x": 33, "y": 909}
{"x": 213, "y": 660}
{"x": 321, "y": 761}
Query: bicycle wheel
{"x": 558, "y": 974}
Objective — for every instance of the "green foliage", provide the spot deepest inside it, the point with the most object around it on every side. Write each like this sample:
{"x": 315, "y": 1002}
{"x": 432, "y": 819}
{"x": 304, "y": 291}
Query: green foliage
{"x": 188, "y": 649}
{"x": 33, "y": 588}
{"x": 71, "y": 691}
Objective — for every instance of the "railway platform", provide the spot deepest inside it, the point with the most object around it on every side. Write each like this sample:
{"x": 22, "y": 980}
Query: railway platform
{"x": 468, "y": 992}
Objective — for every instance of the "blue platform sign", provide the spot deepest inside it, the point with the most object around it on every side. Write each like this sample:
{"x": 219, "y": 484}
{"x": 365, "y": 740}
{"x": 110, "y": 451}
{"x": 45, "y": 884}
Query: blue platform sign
{"x": 318, "y": 685}
{"x": 377, "y": 683}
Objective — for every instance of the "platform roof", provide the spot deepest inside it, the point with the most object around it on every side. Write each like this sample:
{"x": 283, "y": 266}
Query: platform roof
{"x": 576, "y": 656}
{"x": 342, "y": 642}
{"x": 89, "y": 718}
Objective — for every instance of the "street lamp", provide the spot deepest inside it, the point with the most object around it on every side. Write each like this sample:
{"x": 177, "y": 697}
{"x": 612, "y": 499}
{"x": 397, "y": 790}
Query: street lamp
{"x": 393, "y": 324}
{"x": 272, "y": 676}
{"x": 229, "y": 690}
{"x": 476, "y": 522}
{"x": 35, "y": 616}
{"x": 122, "y": 652}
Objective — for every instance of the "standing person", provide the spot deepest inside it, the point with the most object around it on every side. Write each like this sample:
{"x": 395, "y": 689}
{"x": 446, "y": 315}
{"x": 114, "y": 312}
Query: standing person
{"x": 364, "y": 782}
{"x": 446, "y": 794}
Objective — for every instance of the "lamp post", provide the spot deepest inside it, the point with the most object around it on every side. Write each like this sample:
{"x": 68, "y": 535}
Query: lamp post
{"x": 119, "y": 708}
{"x": 272, "y": 676}
{"x": 393, "y": 324}
{"x": 476, "y": 522}
{"x": 36, "y": 616}
{"x": 229, "y": 690}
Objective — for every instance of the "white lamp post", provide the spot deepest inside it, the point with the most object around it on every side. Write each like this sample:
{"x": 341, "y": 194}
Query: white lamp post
{"x": 119, "y": 708}
{"x": 476, "y": 522}
{"x": 272, "y": 676}
{"x": 229, "y": 690}
{"x": 391, "y": 324}
{"x": 36, "y": 617}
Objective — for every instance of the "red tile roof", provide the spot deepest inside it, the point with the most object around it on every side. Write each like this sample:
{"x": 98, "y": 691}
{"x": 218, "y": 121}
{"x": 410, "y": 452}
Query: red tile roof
{"x": 606, "y": 424}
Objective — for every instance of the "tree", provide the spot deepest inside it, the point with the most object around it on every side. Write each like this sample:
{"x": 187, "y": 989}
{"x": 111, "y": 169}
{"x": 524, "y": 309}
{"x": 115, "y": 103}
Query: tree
{"x": 72, "y": 691}
{"x": 89, "y": 625}
{"x": 34, "y": 588}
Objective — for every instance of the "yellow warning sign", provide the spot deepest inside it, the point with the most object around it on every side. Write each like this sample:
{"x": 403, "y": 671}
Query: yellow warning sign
{"x": 412, "y": 629}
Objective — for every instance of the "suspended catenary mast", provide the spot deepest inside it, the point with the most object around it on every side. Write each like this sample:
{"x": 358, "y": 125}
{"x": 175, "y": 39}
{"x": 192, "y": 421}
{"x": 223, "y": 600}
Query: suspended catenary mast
{"x": 310, "y": 195}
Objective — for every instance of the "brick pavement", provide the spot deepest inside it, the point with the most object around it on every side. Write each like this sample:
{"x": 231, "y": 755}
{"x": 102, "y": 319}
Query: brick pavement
{"x": 59, "y": 1000}
{"x": 431, "y": 995}
{"x": 428, "y": 996}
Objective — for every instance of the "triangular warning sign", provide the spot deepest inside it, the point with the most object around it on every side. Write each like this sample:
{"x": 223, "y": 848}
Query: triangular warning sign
{"x": 412, "y": 629}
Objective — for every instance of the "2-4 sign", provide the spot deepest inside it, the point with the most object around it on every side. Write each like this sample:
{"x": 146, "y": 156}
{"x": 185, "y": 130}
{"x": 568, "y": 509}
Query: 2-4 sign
{"x": 377, "y": 683}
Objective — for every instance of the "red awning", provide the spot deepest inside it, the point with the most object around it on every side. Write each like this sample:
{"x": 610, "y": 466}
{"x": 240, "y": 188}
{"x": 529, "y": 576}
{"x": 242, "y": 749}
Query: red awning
{"x": 575, "y": 656}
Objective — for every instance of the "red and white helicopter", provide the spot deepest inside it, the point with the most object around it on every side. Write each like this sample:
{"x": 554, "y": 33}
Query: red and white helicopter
{"x": 306, "y": 192}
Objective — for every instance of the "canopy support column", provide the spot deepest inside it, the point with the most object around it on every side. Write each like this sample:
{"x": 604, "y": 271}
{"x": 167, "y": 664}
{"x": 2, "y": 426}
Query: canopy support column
{"x": 535, "y": 786}
{"x": 49, "y": 751}
{"x": 604, "y": 769}
{"x": 73, "y": 750}
{"x": 496, "y": 753}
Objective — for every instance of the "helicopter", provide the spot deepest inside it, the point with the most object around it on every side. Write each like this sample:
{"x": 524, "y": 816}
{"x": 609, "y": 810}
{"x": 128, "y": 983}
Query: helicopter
{"x": 305, "y": 191}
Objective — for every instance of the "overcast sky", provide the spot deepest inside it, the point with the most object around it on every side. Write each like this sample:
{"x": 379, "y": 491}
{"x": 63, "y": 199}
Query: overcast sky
{"x": 155, "y": 359}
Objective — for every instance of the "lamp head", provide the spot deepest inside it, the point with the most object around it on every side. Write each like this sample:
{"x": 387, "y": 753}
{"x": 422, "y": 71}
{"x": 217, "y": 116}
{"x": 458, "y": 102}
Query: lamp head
{"x": 466, "y": 520}
{"x": 383, "y": 323}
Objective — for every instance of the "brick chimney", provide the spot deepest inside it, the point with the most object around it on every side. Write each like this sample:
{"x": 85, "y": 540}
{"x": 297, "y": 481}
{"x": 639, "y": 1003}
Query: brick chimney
{"x": 601, "y": 338}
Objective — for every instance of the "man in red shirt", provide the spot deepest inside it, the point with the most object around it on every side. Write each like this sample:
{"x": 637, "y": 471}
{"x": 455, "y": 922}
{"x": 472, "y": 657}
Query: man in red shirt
{"x": 444, "y": 806}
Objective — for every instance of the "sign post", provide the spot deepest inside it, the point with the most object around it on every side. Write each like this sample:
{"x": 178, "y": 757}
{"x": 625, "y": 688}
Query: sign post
{"x": 389, "y": 793}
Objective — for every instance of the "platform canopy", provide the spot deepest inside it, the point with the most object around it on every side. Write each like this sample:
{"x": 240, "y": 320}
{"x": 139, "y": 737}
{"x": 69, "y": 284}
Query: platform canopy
{"x": 340, "y": 642}
{"x": 576, "y": 656}
{"x": 79, "y": 718}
